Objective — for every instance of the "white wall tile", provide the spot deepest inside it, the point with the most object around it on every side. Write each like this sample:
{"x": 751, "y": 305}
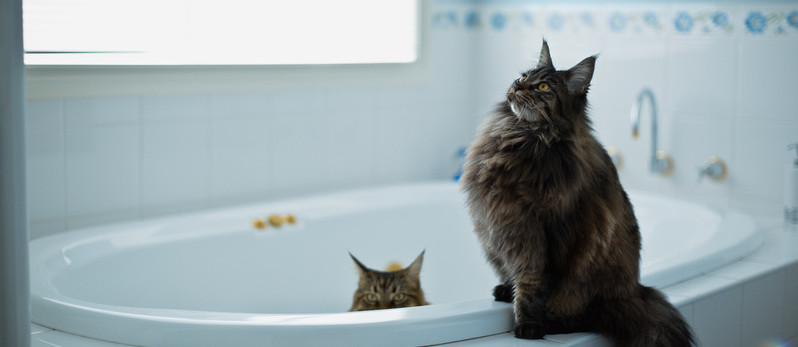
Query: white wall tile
{"x": 701, "y": 78}
{"x": 175, "y": 164}
{"x": 300, "y": 155}
{"x": 350, "y": 148}
{"x": 48, "y": 112}
{"x": 174, "y": 107}
{"x": 767, "y": 74}
{"x": 41, "y": 228}
{"x": 45, "y": 170}
{"x": 242, "y": 158}
{"x": 691, "y": 144}
{"x": 717, "y": 320}
{"x": 449, "y": 129}
{"x": 103, "y": 169}
{"x": 298, "y": 103}
{"x": 760, "y": 157}
{"x": 495, "y": 71}
{"x": 241, "y": 105}
{"x": 763, "y": 309}
{"x": 399, "y": 143}
{"x": 101, "y": 110}
{"x": 444, "y": 69}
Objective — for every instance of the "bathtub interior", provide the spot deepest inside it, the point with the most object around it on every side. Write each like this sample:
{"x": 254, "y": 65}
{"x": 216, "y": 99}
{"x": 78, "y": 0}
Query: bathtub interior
{"x": 217, "y": 262}
{"x": 664, "y": 223}
{"x": 220, "y": 263}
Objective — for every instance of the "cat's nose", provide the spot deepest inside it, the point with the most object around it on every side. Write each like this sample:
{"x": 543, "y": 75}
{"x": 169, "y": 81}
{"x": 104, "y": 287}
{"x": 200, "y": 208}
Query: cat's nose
{"x": 511, "y": 91}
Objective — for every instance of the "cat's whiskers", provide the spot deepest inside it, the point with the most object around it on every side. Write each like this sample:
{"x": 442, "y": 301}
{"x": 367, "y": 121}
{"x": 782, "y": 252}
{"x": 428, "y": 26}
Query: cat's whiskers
{"x": 520, "y": 109}
{"x": 542, "y": 114}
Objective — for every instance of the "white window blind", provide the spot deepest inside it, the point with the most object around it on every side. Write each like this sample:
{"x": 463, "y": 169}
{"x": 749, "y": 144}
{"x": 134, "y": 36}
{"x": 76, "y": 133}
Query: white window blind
{"x": 219, "y": 32}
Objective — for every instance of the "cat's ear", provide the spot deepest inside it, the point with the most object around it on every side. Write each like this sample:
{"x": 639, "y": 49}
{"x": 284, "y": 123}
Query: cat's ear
{"x": 580, "y": 75}
{"x": 362, "y": 268}
{"x": 414, "y": 270}
{"x": 545, "y": 56}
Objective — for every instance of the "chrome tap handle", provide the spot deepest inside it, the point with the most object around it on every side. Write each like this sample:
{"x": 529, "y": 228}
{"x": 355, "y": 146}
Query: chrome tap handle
{"x": 714, "y": 168}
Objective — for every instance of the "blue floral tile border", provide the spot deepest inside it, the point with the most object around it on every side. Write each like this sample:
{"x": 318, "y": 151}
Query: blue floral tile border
{"x": 689, "y": 19}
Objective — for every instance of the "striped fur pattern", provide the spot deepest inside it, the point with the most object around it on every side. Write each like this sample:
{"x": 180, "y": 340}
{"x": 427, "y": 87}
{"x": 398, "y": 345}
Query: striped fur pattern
{"x": 379, "y": 290}
{"x": 554, "y": 221}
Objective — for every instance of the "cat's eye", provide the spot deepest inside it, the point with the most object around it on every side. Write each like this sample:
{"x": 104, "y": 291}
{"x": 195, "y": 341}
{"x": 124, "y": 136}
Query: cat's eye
{"x": 543, "y": 87}
{"x": 399, "y": 297}
{"x": 371, "y": 298}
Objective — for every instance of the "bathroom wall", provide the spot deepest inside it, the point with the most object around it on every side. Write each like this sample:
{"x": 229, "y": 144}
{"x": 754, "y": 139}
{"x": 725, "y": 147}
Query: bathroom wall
{"x": 123, "y": 156}
{"x": 721, "y": 73}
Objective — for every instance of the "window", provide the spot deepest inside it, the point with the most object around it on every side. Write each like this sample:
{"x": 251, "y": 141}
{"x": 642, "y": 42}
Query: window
{"x": 213, "y": 32}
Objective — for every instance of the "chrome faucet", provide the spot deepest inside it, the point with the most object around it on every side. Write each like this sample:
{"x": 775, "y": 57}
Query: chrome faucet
{"x": 660, "y": 162}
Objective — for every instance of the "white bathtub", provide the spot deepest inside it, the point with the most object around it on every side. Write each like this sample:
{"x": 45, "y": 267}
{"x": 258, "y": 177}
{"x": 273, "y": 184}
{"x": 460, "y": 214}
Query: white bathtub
{"x": 211, "y": 279}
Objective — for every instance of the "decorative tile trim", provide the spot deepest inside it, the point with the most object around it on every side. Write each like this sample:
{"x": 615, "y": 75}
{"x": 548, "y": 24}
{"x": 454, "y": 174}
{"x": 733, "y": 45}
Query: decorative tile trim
{"x": 706, "y": 21}
{"x": 778, "y": 20}
{"x": 771, "y": 22}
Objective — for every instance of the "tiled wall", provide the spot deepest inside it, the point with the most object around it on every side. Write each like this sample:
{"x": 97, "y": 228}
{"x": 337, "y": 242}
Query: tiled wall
{"x": 723, "y": 75}
{"x": 93, "y": 160}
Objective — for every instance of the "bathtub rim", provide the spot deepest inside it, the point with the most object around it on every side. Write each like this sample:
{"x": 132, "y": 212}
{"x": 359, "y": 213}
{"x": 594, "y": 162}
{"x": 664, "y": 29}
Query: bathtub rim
{"x": 130, "y": 325}
{"x": 720, "y": 250}
{"x": 147, "y": 326}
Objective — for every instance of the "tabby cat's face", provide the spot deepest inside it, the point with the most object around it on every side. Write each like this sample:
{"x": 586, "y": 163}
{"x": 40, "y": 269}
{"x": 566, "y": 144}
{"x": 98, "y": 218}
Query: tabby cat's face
{"x": 543, "y": 94}
{"x": 388, "y": 289}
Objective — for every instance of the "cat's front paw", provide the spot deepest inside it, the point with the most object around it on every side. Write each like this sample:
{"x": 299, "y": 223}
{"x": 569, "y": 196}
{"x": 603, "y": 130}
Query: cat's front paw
{"x": 503, "y": 292}
{"x": 529, "y": 330}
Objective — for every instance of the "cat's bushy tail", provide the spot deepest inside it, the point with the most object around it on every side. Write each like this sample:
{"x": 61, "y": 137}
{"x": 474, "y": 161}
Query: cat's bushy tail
{"x": 645, "y": 321}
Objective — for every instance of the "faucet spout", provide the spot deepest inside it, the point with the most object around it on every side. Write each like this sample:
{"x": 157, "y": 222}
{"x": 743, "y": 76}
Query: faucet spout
{"x": 660, "y": 162}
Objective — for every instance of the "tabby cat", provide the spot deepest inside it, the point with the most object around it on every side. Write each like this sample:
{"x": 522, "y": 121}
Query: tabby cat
{"x": 554, "y": 221}
{"x": 388, "y": 289}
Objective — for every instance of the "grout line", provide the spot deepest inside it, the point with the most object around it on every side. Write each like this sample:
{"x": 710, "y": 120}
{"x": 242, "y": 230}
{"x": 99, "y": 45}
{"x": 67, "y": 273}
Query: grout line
{"x": 210, "y": 120}
{"x": 139, "y": 116}
{"x": 65, "y": 216}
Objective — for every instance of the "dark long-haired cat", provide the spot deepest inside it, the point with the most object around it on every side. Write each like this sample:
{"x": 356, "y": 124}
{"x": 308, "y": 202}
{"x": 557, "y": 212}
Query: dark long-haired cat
{"x": 554, "y": 221}
{"x": 388, "y": 289}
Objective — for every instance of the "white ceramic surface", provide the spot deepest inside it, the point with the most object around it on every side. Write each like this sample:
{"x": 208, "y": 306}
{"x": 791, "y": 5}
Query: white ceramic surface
{"x": 210, "y": 278}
